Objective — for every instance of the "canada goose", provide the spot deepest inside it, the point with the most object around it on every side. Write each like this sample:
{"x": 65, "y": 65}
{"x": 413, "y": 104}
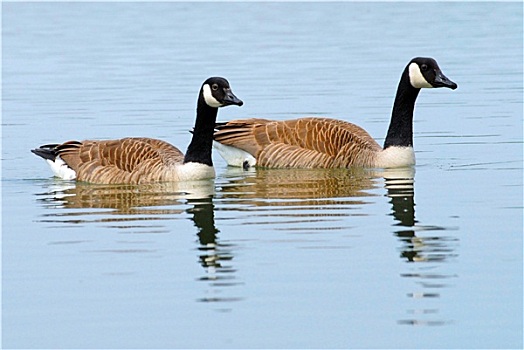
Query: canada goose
{"x": 329, "y": 143}
{"x": 144, "y": 160}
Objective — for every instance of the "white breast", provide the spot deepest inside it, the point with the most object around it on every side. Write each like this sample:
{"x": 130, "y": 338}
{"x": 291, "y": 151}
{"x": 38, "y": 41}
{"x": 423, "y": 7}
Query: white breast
{"x": 193, "y": 171}
{"x": 395, "y": 157}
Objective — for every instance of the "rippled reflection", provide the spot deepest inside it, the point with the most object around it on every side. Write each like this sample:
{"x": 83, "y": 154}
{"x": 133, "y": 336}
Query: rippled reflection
{"x": 292, "y": 200}
{"x": 435, "y": 247}
{"x": 261, "y": 187}
{"x": 297, "y": 200}
{"x": 147, "y": 199}
{"x": 318, "y": 200}
{"x": 215, "y": 256}
{"x": 424, "y": 248}
{"x": 135, "y": 208}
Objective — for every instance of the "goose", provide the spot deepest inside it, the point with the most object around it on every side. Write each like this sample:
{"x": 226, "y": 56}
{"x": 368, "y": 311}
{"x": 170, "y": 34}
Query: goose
{"x": 135, "y": 160}
{"x": 315, "y": 142}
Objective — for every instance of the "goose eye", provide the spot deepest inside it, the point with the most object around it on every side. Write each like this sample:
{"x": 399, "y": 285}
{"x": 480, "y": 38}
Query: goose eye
{"x": 423, "y": 67}
{"x": 214, "y": 87}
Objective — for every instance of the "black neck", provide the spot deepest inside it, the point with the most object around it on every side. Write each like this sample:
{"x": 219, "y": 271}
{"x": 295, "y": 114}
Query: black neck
{"x": 199, "y": 150}
{"x": 400, "y": 132}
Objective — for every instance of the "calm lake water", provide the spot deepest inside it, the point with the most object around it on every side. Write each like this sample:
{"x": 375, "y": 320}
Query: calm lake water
{"x": 429, "y": 257}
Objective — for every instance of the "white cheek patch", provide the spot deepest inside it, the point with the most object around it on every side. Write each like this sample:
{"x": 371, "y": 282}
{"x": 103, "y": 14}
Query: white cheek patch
{"x": 211, "y": 101}
{"x": 416, "y": 78}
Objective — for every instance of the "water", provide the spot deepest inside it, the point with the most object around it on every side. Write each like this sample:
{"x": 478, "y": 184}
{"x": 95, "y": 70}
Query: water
{"x": 429, "y": 257}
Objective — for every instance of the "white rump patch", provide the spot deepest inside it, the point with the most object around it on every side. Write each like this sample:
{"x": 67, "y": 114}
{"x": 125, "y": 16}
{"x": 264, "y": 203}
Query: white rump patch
{"x": 234, "y": 156}
{"x": 396, "y": 157}
{"x": 416, "y": 78}
{"x": 61, "y": 169}
{"x": 211, "y": 101}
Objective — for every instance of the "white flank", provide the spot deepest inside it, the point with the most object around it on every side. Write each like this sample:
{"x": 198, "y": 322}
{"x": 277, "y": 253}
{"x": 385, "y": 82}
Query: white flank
{"x": 234, "y": 156}
{"x": 416, "y": 78}
{"x": 396, "y": 157}
{"x": 194, "y": 171}
{"x": 61, "y": 169}
{"x": 211, "y": 101}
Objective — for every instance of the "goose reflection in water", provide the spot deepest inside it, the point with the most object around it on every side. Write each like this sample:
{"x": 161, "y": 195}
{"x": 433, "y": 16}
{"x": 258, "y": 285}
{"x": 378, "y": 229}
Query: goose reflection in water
{"x": 400, "y": 190}
{"x": 323, "y": 194}
{"x": 296, "y": 189}
{"x": 303, "y": 199}
{"x": 214, "y": 254}
{"x": 131, "y": 205}
{"x": 418, "y": 249}
{"x": 259, "y": 187}
{"x": 325, "y": 191}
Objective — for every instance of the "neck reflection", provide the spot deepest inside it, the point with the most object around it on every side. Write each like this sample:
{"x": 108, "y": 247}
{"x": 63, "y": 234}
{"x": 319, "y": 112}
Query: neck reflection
{"x": 418, "y": 244}
{"x": 213, "y": 253}
{"x": 427, "y": 251}
{"x": 399, "y": 184}
{"x": 214, "y": 256}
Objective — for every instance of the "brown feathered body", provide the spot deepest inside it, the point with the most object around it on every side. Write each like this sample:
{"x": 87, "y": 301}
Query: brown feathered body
{"x": 301, "y": 143}
{"x": 128, "y": 160}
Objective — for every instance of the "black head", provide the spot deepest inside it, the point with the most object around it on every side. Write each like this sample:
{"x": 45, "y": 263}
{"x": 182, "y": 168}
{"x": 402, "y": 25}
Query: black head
{"x": 424, "y": 72}
{"x": 216, "y": 93}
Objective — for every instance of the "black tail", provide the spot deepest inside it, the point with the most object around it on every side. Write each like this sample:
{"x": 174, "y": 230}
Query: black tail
{"x": 46, "y": 152}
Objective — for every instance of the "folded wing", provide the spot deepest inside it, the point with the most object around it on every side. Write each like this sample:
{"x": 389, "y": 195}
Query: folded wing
{"x": 300, "y": 143}
{"x": 129, "y": 160}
